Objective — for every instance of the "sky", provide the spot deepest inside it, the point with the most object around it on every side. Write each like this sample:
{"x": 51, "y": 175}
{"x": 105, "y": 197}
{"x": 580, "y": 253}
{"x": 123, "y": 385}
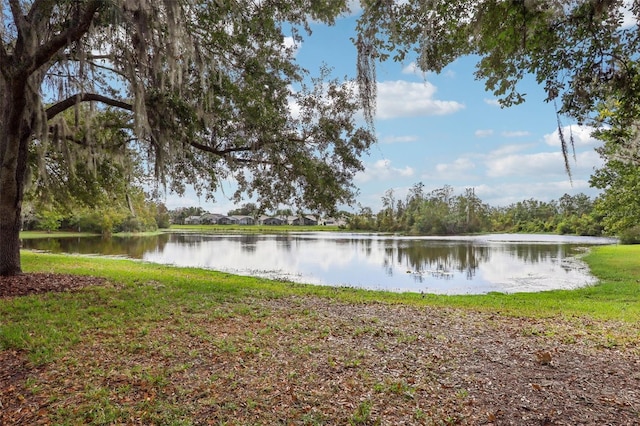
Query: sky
{"x": 445, "y": 129}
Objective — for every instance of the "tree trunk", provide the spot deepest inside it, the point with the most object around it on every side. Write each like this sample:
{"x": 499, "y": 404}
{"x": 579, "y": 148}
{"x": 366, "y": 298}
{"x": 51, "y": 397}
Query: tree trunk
{"x": 9, "y": 238}
{"x": 15, "y": 131}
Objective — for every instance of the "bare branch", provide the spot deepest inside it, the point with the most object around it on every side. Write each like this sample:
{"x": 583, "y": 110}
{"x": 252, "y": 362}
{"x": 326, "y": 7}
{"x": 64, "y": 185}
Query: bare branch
{"x": 65, "y": 104}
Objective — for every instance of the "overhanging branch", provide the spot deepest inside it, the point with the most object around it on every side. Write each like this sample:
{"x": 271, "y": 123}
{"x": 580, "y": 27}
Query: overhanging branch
{"x": 65, "y": 104}
{"x": 71, "y": 34}
{"x": 256, "y": 146}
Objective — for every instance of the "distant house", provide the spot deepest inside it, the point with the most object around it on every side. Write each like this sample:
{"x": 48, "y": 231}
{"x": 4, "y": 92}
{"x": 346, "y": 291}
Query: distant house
{"x": 269, "y": 220}
{"x": 193, "y": 220}
{"x": 303, "y": 221}
{"x": 226, "y": 220}
{"x": 208, "y": 219}
{"x": 332, "y": 221}
{"x": 244, "y": 220}
{"x": 216, "y": 219}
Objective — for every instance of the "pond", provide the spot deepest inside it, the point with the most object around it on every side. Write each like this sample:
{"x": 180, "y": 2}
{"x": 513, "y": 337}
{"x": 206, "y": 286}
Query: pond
{"x": 445, "y": 265}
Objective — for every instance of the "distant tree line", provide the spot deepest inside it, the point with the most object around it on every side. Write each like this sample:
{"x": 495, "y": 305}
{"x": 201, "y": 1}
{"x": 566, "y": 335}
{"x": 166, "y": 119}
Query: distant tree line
{"x": 442, "y": 212}
{"x": 134, "y": 213}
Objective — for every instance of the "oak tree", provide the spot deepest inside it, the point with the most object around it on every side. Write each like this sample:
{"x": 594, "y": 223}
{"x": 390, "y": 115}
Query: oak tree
{"x": 207, "y": 87}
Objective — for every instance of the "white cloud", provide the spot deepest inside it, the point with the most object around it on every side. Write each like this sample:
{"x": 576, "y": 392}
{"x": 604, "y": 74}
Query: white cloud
{"x": 412, "y": 68}
{"x": 381, "y": 170}
{"x": 526, "y": 164}
{"x": 581, "y": 136}
{"x": 509, "y": 149}
{"x": 483, "y": 133}
{"x": 540, "y": 164}
{"x": 460, "y": 164}
{"x": 398, "y": 139}
{"x": 516, "y": 134}
{"x": 492, "y": 102}
{"x": 405, "y": 99}
{"x": 455, "y": 170}
{"x": 503, "y": 194}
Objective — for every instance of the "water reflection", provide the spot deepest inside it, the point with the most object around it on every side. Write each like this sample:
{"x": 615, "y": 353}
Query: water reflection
{"x": 445, "y": 265}
{"x": 134, "y": 246}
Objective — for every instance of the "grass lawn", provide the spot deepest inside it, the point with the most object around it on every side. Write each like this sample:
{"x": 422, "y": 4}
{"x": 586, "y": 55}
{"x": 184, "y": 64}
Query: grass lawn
{"x": 30, "y": 235}
{"x": 165, "y": 345}
{"x": 253, "y": 228}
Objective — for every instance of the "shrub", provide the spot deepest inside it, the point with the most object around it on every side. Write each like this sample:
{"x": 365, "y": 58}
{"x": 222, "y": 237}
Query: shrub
{"x": 630, "y": 235}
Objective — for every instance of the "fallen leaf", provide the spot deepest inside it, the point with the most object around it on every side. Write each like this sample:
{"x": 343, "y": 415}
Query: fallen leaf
{"x": 543, "y": 357}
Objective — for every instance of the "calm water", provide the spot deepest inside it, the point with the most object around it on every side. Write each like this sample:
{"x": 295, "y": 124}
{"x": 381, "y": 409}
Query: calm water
{"x": 450, "y": 265}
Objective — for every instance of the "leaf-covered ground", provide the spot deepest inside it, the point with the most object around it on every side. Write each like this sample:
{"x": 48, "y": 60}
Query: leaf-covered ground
{"x": 307, "y": 360}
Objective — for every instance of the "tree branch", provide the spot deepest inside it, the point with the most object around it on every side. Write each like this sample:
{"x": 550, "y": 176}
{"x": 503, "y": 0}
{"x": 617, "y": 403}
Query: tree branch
{"x": 4, "y": 57}
{"x": 18, "y": 17}
{"x": 216, "y": 151}
{"x": 224, "y": 152}
{"x": 21, "y": 29}
{"x": 72, "y": 34}
{"x": 65, "y": 104}
{"x": 36, "y": 7}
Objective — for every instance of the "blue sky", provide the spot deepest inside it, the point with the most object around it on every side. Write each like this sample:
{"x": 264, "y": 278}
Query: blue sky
{"x": 445, "y": 129}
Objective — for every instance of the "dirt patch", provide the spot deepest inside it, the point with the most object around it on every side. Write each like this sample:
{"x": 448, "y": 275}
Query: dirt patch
{"x": 304, "y": 360}
{"x": 25, "y": 284}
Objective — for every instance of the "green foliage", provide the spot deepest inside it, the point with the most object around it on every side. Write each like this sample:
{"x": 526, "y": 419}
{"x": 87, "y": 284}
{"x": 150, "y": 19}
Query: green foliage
{"x": 630, "y": 235}
{"x": 619, "y": 178}
{"x": 162, "y": 216}
{"x": 48, "y": 220}
{"x": 102, "y": 220}
{"x": 248, "y": 209}
{"x": 441, "y": 212}
{"x": 92, "y": 193}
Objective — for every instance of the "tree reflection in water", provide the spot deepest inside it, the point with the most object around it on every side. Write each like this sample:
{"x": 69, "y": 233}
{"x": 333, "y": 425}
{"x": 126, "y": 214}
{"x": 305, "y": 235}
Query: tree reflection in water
{"x": 438, "y": 260}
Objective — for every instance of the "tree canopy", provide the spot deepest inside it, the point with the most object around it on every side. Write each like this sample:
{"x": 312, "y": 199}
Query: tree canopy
{"x": 209, "y": 91}
{"x": 583, "y": 53}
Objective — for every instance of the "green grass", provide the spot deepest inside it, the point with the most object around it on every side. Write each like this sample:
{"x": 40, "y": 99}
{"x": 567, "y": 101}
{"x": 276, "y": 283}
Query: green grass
{"x": 29, "y": 235}
{"x": 144, "y": 292}
{"x": 128, "y": 347}
{"x": 274, "y": 229}
{"x": 251, "y": 228}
